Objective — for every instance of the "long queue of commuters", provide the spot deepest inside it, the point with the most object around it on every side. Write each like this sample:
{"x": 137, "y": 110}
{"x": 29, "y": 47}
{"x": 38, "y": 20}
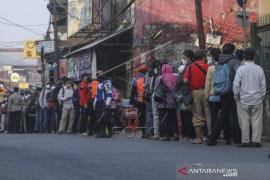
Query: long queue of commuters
{"x": 202, "y": 99}
{"x": 199, "y": 101}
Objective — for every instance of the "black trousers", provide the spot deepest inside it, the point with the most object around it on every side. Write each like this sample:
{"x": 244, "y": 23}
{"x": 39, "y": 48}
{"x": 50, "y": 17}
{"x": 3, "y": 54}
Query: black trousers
{"x": 187, "y": 125}
{"x": 103, "y": 119}
{"x": 14, "y": 122}
{"x": 214, "y": 108}
{"x": 84, "y": 119}
{"x": 92, "y": 114}
{"x": 168, "y": 122}
{"x": 223, "y": 120}
{"x": 31, "y": 123}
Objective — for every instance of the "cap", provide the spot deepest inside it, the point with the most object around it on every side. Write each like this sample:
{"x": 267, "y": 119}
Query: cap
{"x": 142, "y": 69}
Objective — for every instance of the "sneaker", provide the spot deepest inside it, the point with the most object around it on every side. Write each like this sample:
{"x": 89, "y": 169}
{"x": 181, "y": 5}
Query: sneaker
{"x": 155, "y": 138}
{"x": 60, "y": 132}
{"x": 256, "y": 145}
{"x": 211, "y": 143}
{"x": 84, "y": 134}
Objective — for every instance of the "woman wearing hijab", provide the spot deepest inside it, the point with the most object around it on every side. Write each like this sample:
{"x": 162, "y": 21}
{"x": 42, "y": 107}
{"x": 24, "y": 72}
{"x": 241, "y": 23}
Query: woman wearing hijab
{"x": 168, "y": 111}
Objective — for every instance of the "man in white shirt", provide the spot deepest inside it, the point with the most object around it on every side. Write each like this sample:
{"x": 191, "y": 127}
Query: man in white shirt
{"x": 65, "y": 96}
{"x": 249, "y": 89}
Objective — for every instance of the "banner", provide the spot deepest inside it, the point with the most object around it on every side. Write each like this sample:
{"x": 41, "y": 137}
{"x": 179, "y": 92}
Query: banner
{"x": 76, "y": 68}
{"x": 79, "y": 15}
{"x": 63, "y": 67}
{"x": 71, "y": 67}
{"x": 30, "y": 49}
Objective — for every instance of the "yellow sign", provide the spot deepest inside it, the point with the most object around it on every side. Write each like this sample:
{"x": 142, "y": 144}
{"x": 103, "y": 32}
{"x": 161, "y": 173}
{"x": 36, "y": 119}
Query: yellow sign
{"x": 15, "y": 77}
{"x": 30, "y": 49}
{"x": 24, "y": 85}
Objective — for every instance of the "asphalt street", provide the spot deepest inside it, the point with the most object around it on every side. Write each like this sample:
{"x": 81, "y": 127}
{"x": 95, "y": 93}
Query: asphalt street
{"x": 74, "y": 157}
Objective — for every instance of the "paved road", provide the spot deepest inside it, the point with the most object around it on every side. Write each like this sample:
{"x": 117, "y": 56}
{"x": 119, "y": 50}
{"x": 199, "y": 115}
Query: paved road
{"x": 73, "y": 157}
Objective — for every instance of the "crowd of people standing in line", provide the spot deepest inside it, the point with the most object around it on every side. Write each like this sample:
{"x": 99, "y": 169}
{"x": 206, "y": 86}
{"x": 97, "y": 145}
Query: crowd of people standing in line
{"x": 203, "y": 98}
{"x": 84, "y": 108}
{"x": 223, "y": 93}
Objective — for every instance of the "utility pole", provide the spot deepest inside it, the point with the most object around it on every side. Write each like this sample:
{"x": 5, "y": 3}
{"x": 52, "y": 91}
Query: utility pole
{"x": 55, "y": 36}
{"x": 245, "y": 24}
{"x": 200, "y": 29}
{"x": 42, "y": 66}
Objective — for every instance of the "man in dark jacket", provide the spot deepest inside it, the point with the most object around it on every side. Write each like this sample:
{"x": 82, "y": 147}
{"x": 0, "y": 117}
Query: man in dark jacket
{"x": 227, "y": 100}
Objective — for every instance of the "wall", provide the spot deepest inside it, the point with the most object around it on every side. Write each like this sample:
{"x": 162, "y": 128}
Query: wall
{"x": 177, "y": 19}
{"x": 264, "y": 7}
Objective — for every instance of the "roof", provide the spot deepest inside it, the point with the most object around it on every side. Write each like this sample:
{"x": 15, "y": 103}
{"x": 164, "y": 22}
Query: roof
{"x": 14, "y": 57}
{"x": 99, "y": 41}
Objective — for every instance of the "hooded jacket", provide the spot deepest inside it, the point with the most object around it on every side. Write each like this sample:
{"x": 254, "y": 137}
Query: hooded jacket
{"x": 232, "y": 62}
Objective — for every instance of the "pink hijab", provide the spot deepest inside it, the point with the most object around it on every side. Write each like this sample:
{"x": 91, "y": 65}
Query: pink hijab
{"x": 167, "y": 76}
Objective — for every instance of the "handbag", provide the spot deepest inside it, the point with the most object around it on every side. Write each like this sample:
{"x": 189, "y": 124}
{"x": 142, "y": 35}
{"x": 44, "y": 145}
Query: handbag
{"x": 159, "y": 95}
{"x": 187, "y": 97}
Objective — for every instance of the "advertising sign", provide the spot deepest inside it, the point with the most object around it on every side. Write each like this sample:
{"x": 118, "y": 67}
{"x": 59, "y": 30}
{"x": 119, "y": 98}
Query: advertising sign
{"x": 79, "y": 15}
{"x": 48, "y": 46}
{"x": 15, "y": 77}
{"x": 30, "y": 49}
{"x": 24, "y": 85}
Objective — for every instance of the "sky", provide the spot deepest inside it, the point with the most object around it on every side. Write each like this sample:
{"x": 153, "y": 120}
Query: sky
{"x": 22, "y": 12}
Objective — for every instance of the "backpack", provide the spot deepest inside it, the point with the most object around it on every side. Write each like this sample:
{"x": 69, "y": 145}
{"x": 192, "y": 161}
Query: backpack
{"x": 222, "y": 81}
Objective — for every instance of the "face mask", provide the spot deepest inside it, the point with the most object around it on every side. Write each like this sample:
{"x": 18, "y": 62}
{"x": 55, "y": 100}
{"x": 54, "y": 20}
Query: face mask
{"x": 53, "y": 87}
{"x": 184, "y": 61}
{"x": 1, "y": 85}
{"x": 48, "y": 86}
{"x": 210, "y": 60}
{"x": 6, "y": 99}
{"x": 155, "y": 71}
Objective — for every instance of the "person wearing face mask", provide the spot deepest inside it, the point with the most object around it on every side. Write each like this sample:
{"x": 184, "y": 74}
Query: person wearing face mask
{"x": 85, "y": 95}
{"x": 46, "y": 110}
{"x": 101, "y": 105}
{"x": 185, "y": 111}
{"x": 4, "y": 106}
{"x": 155, "y": 105}
{"x": 66, "y": 96}
{"x": 137, "y": 99}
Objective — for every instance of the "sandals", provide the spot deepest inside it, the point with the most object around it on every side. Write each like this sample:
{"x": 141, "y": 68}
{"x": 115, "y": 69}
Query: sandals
{"x": 196, "y": 142}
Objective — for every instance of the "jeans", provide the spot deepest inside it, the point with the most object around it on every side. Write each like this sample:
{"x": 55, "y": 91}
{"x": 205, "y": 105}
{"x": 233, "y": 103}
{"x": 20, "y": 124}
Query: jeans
{"x": 149, "y": 119}
{"x": 38, "y": 120}
{"x": 47, "y": 116}
{"x": 76, "y": 119}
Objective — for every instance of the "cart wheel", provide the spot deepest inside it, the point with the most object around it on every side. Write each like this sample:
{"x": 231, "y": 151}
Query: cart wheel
{"x": 130, "y": 132}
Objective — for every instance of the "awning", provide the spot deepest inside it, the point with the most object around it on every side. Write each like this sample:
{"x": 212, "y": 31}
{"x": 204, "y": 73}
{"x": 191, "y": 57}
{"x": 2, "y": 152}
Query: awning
{"x": 99, "y": 41}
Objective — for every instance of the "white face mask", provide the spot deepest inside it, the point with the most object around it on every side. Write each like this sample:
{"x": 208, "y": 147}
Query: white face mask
{"x": 53, "y": 87}
{"x": 6, "y": 99}
{"x": 155, "y": 71}
{"x": 48, "y": 86}
{"x": 184, "y": 61}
